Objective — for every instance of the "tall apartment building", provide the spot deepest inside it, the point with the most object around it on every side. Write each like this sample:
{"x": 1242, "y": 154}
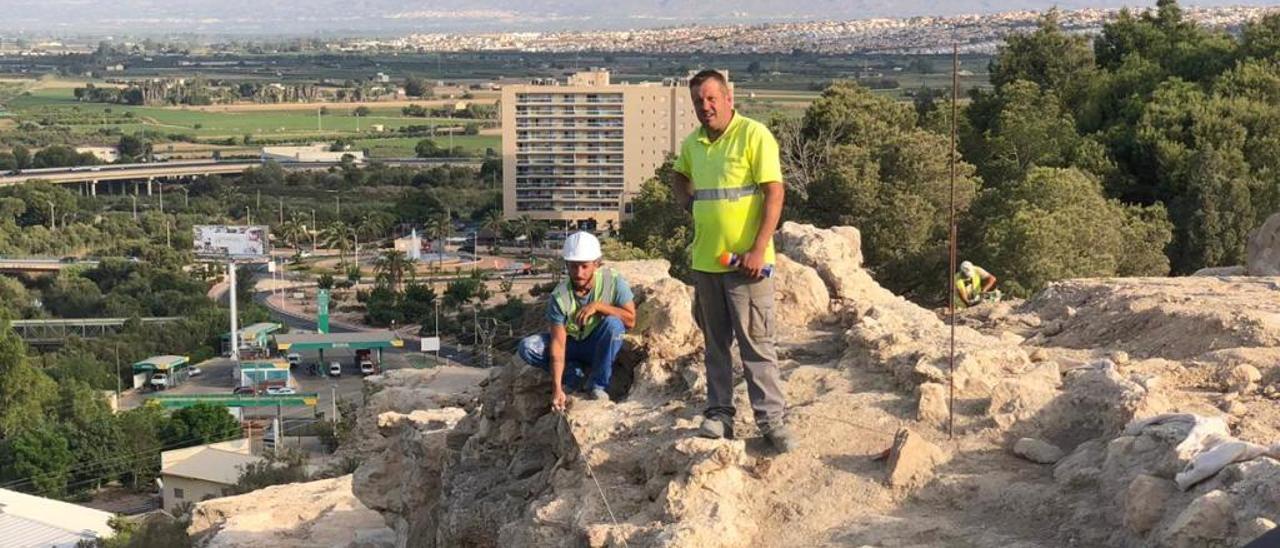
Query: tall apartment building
{"x": 579, "y": 150}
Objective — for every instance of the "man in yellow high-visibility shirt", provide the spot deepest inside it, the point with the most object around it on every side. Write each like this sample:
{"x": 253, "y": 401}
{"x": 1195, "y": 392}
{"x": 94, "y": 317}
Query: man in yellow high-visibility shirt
{"x": 729, "y": 172}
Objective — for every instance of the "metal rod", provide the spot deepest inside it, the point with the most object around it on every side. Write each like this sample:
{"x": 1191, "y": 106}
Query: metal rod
{"x": 951, "y": 277}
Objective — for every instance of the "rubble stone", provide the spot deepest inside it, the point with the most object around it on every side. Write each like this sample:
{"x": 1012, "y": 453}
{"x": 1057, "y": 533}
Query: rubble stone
{"x": 912, "y": 459}
{"x": 1037, "y": 451}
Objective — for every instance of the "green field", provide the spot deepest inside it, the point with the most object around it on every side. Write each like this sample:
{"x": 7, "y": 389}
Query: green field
{"x": 212, "y": 125}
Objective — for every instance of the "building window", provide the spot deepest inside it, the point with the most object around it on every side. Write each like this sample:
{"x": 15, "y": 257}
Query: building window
{"x": 177, "y": 493}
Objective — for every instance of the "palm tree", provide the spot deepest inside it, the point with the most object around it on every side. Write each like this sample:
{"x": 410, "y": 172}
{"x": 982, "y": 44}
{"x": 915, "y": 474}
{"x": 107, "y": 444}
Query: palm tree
{"x": 437, "y": 228}
{"x": 372, "y": 226}
{"x": 293, "y": 230}
{"x": 337, "y": 235}
{"x": 391, "y": 266}
{"x": 495, "y": 224}
{"x": 526, "y": 227}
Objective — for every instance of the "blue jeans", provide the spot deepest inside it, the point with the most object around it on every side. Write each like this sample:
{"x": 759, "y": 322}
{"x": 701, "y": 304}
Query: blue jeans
{"x": 596, "y": 353}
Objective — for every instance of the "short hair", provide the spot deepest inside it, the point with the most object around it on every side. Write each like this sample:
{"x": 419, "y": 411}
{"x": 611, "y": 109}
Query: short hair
{"x": 708, "y": 74}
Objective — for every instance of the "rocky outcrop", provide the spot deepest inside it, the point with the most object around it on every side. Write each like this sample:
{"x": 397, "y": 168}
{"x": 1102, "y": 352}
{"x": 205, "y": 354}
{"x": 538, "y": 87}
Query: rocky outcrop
{"x": 1263, "y": 249}
{"x": 1068, "y": 381}
{"x": 299, "y": 515}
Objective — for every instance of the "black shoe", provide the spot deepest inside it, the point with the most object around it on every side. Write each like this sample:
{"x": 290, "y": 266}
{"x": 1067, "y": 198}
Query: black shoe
{"x": 779, "y": 436}
{"x": 716, "y": 427}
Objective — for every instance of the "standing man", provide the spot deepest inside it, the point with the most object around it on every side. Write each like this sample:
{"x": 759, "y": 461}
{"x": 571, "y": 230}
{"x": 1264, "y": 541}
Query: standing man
{"x": 588, "y": 312}
{"x": 729, "y": 173}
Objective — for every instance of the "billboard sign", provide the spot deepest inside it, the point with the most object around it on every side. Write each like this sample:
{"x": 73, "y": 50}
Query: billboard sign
{"x": 228, "y": 242}
{"x": 431, "y": 344}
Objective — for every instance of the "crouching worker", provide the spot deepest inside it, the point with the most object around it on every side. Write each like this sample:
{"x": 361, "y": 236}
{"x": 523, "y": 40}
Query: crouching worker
{"x": 588, "y": 313}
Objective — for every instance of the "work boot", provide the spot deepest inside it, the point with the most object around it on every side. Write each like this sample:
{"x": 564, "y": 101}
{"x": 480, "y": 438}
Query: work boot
{"x": 779, "y": 436}
{"x": 716, "y": 427}
{"x": 598, "y": 394}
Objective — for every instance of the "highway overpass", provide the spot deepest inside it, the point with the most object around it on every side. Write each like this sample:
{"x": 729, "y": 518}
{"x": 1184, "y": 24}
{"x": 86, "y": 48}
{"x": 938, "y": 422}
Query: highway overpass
{"x": 92, "y": 175}
{"x": 37, "y": 266}
{"x": 56, "y": 331}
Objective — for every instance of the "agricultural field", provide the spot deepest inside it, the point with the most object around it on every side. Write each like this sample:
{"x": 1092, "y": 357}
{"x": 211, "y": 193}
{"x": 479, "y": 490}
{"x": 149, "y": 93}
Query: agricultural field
{"x": 96, "y": 123}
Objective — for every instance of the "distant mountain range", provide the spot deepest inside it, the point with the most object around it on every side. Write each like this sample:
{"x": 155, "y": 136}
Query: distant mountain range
{"x": 388, "y": 17}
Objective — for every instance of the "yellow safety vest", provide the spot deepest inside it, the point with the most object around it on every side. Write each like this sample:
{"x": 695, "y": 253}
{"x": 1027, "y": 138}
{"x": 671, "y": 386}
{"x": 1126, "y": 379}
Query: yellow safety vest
{"x": 604, "y": 284}
{"x": 971, "y": 285}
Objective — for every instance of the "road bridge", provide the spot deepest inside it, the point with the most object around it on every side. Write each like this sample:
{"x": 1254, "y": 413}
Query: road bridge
{"x": 32, "y": 265}
{"x": 57, "y": 331}
{"x": 145, "y": 174}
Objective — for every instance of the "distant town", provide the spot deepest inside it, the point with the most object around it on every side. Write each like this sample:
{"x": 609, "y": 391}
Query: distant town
{"x": 914, "y": 35}
{"x": 979, "y": 34}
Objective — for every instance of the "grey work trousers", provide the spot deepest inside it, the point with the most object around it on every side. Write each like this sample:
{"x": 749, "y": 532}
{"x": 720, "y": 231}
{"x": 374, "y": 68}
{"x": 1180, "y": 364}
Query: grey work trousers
{"x": 728, "y": 307}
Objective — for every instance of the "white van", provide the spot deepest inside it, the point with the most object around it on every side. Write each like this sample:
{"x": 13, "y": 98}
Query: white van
{"x": 294, "y": 358}
{"x": 335, "y": 369}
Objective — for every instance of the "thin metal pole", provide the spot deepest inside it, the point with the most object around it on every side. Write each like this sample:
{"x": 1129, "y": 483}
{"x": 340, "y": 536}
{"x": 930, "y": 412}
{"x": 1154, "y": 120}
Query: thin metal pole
{"x": 231, "y": 297}
{"x": 951, "y": 293}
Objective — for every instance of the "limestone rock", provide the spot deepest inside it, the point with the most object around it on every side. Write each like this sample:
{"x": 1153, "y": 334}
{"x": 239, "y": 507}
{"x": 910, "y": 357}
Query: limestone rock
{"x": 1144, "y": 502}
{"x": 801, "y": 297}
{"x": 640, "y": 274}
{"x": 1243, "y": 378}
{"x": 1013, "y": 400}
{"x": 1037, "y": 451}
{"x": 933, "y": 408}
{"x": 1263, "y": 249}
{"x": 1206, "y": 521}
{"x": 296, "y": 515}
{"x": 1252, "y": 529}
{"x": 835, "y": 253}
{"x": 664, "y": 320}
{"x": 912, "y": 460}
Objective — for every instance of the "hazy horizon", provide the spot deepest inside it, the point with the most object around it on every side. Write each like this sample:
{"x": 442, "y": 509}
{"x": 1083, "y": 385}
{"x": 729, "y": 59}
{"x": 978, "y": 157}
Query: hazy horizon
{"x": 387, "y": 17}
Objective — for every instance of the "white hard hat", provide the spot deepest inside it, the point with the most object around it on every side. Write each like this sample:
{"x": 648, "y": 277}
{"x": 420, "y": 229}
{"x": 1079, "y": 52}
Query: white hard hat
{"x": 966, "y": 267}
{"x": 581, "y": 247}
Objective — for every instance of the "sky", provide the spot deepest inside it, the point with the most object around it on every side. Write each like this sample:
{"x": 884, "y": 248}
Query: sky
{"x": 392, "y": 17}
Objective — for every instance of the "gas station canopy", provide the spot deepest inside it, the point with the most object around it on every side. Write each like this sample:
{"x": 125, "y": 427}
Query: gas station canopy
{"x": 328, "y": 341}
{"x": 160, "y": 363}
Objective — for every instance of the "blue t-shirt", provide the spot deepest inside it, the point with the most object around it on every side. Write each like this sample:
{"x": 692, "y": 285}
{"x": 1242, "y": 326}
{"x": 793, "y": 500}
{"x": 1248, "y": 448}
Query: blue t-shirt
{"x": 621, "y": 296}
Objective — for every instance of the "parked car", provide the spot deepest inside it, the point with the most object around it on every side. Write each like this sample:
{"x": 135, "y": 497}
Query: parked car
{"x": 246, "y": 390}
{"x": 335, "y": 369}
{"x": 159, "y": 381}
{"x": 194, "y": 372}
{"x": 280, "y": 390}
{"x": 367, "y": 368}
{"x": 294, "y": 358}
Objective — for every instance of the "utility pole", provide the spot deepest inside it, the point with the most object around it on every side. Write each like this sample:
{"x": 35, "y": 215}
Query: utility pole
{"x": 333, "y": 400}
{"x": 117, "y": 376}
{"x": 168, "y": 241}
{"x": 135, "y": 206}
{"x": 161, "y": 185}
{"x": 437, "y": 301}
{"x": 951, "y": 276}
{"x": 259, "y": 202}
{"x": 53, "y": 221}
{"x": 231, "y": 297}
{"x": 281, "y": 209}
